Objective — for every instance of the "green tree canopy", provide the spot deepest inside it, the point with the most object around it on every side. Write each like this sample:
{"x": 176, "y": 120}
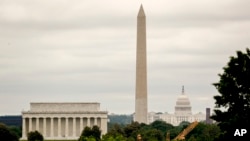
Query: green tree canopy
{"x": 116, "y": 130}
{"x": 204, "y": 132}
{"x": 35, "y": 136}
{"x": 16, "y": 130}
{"x": 184, "y": 123}
{"x": 234, "y": 95}
{"x": 157, "y": 131}
{"x": 88, "y": 133}
{"x": 117, "y": 137}
{"x": 152, "y": 135}
{"x": 161, "y": 125}
{"x": 6, "y": 134}
{"x": 96, "y": 132}
{"x": 132, "y": 129}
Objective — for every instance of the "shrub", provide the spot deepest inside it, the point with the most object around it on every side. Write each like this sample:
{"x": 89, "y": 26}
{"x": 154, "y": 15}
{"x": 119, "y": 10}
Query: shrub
{"x": 35, "y": 136}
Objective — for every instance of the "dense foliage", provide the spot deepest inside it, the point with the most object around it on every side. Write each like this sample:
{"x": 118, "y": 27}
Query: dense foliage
{"x": 6, "y": 134}
{"x": 90, "y": 134}
{"x": 234, "y": 95}
{"x": 157, "y": 131}
{"x": 35, "y": 136}
{"x": 16, "y": 130}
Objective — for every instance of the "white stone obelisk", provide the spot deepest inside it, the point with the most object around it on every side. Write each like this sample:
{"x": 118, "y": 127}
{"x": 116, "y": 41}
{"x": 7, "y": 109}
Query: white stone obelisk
{"x": 141, "y": 106}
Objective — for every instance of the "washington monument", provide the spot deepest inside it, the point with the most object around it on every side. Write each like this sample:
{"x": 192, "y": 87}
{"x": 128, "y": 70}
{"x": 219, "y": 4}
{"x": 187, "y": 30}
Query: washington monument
{"x": 141, "y": 106}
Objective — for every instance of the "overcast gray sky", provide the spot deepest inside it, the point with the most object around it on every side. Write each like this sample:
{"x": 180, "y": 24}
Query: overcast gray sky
{"x": 84, "y": 51}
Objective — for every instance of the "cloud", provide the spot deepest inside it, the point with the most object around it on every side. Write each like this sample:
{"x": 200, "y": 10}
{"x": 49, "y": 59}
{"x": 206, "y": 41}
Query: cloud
{"x": 65, "y": 50}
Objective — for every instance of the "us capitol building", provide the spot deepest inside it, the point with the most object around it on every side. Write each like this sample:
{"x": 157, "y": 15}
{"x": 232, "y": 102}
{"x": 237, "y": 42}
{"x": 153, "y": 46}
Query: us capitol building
{"x": 183, "y": 112}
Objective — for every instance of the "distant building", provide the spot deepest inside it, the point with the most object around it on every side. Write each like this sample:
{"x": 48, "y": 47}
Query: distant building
{"x": 153, "y": 116}
{"x": 11, "y": 120}
{"x": 62, "y": 121}
{"x": 208, "y": 119}
{"x": 183, "y": 112}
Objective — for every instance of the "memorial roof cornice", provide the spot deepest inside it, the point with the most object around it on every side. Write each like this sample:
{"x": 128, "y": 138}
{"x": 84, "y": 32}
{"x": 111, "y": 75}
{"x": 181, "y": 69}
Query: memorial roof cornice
{"x": 66, "y": 112}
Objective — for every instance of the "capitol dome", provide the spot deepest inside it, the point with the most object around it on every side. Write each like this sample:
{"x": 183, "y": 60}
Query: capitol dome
{"x": 183, "y": 106}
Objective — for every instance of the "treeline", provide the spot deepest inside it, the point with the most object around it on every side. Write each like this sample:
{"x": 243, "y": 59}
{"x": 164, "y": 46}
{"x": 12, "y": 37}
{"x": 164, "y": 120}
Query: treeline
{"x": 156, "y": 131}
{"x": 120, "y": 119}
{"x": 10, "y": 133}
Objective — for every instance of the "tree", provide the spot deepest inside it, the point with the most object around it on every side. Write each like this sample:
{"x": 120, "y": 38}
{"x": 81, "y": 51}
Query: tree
{"x": 204, "y": 132}
{"x": 161, "y": 125}
{"x": 96, "y": 132}
{"x": 184, "y": 124}
{"x": 211, "y": 132}
{"x": 174, "y": 132}
{"x": 6, "y": 134}
{"x": 234, "y": 95}
{"x": 35, "y": 136}
{"x": 90, "y": 138}
{"x": 110, "y": 137}
{"x": 86, "y": 132}
{"x": 152, "y": 135}
{"x": 16, "y": 130}
{"x": 132, "y": 129}
{"x": 89, "y": 134}
{"x": 115, "y": 131}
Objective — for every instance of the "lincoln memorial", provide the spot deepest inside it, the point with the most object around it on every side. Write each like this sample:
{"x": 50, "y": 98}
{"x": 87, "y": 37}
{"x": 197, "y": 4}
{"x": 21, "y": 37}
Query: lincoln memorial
{"x": 62, "y": 121}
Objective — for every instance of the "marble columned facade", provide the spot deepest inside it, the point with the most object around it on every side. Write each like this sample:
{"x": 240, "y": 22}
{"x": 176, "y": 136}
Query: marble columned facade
{"x": 62, "y": 120}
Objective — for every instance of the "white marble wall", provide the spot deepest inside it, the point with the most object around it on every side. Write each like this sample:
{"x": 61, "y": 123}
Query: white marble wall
{"x": 64, "y": 107}
{"x": 177, "y": 119}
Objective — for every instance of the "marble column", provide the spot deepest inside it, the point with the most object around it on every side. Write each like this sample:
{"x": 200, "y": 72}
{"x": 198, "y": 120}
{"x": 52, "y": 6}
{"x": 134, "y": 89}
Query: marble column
{"x": 30, "y": 124}
{"x": 37, "y": 124}
{"x": 59, "y": 127}
{"x": 88, "y": 122}
{"x": 44, "y": 127}
{"x": 81, "y": 124}
{"x": 24, "y": 128}
{"x": 95, "y": 121}
{"x": 67, "y": 127}
{"x": 51, "y": 127}
{"x": 74, "y": 126}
